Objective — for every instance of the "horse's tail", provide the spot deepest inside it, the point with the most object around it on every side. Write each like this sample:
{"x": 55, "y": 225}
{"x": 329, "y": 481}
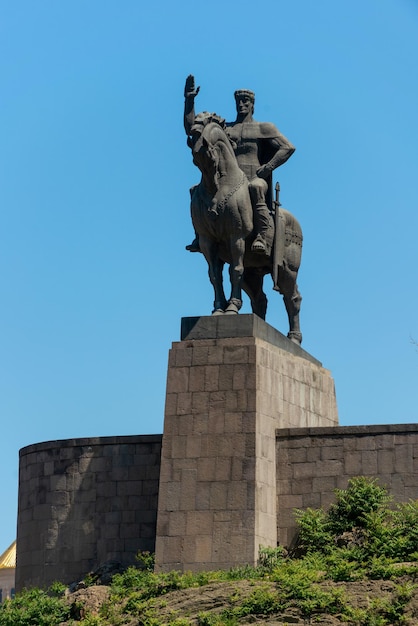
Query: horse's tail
{"x": 293, "y": 240}
{"x": 287, "y": 248}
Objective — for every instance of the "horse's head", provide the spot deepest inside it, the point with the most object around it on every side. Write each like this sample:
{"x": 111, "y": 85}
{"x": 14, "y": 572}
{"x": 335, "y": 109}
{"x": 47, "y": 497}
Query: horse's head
{"x": 207, "y": 139}
{"x": 201, "y": 129}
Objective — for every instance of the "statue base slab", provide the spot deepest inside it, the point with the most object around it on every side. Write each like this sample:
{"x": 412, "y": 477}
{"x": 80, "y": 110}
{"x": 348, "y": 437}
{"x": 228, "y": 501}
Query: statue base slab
{"x": 232, "y": 381}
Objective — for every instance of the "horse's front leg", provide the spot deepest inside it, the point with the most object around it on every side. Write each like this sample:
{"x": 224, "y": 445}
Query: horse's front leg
{"x": 236, "y": 272}
{"x": 215, "y": 267}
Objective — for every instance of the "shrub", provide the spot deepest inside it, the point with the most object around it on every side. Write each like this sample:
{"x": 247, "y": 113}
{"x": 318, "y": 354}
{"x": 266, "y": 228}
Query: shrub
{"x": 261, "y": 602}
{"x": 361, "y": 497}
{"x": 344, "y": 564}
{"x": 314, "y": 530}
{"x": 34, "y": 606}
{"x": 269, "y": 558}
{"x": 389, "y": 611}
{"x": 146, "y": 560}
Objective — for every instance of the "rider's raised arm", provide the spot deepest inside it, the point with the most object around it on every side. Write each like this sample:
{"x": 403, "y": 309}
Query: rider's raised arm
{"x": 190, "y": 93}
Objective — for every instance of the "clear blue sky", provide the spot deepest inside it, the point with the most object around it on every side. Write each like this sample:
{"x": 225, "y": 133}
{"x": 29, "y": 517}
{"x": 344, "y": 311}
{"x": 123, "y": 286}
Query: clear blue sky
{"x": 94, "y": 179}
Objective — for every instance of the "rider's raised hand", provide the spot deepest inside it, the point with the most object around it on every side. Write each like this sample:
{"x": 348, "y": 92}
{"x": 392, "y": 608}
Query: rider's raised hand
{"x": 190, "y": 91}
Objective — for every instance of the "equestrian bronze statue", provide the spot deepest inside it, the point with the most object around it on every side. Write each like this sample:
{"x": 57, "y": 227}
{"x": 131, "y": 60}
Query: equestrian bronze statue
{"x": 236, "y": 220}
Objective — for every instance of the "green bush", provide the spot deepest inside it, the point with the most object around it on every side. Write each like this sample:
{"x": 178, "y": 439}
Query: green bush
{"x": 363, "y": 496}
{"x": 34, "y": 607}
{"x": 216, "y": 619}
{"x": 344, "y": 564}
{"x": 269, "y": 558}
{"x": 393, "y": 533}
{"x": 146, "y": 560}
{"x": 91, "y": 620}
{"x": 298, "y": 585}
{"x": 362, "y": 509}
{"x": 383, "y": 611}
{"x": 362, "y": 535}
{"x": 261, "y": 601}
{"x": 314, "y": 530}
{"x": 405, "y": 518}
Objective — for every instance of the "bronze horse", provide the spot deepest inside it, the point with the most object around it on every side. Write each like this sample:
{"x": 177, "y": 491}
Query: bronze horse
{"x": 223, "y": 218}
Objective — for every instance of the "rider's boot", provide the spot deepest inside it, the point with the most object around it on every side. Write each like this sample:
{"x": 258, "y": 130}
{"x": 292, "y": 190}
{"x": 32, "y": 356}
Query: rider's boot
{"x": 194, "y": 246}
{"x": 259, "y": 245}
{"x": 264, "y": 227}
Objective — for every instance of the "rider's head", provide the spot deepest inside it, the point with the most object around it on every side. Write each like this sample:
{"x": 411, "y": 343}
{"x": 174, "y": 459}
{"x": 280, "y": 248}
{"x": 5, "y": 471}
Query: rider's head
{"x": 244, "y": 99}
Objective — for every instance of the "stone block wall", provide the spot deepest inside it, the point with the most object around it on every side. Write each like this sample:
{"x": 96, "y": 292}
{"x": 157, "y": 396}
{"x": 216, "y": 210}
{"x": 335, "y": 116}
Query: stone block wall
{"x": 83, "y": 502}
{"x": 251, "y": 433}
{"x": 312, "y": 462}
{"x": 231, "y": 382}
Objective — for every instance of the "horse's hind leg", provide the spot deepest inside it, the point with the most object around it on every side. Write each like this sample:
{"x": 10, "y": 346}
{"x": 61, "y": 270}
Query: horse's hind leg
{"x": 293, "y": 308}
{"x": 292, "y": 301}
{"x": 253, "y": 287}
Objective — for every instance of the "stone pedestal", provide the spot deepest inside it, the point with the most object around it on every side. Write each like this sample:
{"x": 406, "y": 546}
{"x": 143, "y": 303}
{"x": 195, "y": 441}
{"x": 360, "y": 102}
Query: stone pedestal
{"x": 232, "y": 381}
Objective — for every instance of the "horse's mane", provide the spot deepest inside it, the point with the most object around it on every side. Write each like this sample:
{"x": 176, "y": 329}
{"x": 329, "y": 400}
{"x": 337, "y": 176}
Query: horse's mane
{"x": 206, "y": 118}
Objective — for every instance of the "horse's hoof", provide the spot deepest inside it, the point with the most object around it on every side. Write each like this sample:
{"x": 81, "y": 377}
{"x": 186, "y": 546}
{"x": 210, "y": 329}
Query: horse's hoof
{"x": 233, "y": 307}
{"x": 295, "y": 336}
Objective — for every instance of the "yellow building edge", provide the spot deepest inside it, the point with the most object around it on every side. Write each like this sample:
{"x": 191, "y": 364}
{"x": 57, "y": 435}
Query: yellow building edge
{"x": 8, "y": 558}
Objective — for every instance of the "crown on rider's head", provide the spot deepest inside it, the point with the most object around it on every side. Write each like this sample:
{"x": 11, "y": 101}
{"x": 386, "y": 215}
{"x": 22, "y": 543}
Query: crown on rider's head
{"x": 245, "y": 92}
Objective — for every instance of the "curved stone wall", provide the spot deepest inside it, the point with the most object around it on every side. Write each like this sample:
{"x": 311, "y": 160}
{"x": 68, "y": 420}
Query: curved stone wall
{"x": 83, "y": 502}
